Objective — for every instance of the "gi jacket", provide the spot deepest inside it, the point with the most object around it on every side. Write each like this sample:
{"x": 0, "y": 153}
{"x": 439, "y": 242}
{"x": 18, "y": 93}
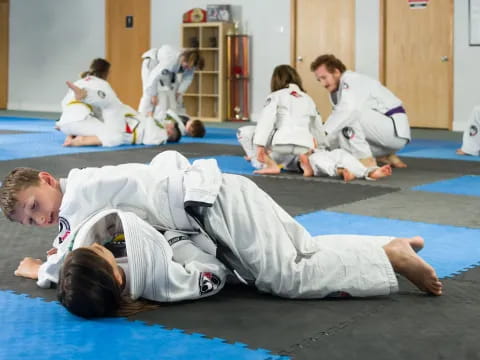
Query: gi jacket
{"x": 356, "y": 93}
{"x": 157, "y": 193}
{"x": 161, "y": 268}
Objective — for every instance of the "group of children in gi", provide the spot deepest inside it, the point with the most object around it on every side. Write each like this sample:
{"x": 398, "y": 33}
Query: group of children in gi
{"x": 133, "y": 235}
{"x": 171, "y": 231}
{"x": 92, "y": 114}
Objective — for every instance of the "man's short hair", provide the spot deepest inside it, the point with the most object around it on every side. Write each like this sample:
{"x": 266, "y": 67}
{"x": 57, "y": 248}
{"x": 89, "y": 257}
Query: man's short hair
{"x": 175, "y": 135}
{"x": 331, "y": 63}
{"x": 197, "y": 129}
{"x": 17, "y": 180}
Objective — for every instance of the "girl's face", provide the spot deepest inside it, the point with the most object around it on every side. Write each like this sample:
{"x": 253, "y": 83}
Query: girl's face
{"x": 107, "y": 255}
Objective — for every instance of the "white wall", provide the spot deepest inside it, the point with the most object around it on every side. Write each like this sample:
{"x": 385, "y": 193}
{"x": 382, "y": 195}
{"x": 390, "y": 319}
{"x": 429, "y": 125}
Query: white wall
{"x": 266, "y": 21}
{"x": 51, "y": 41}
{"x": 466, "y": 68}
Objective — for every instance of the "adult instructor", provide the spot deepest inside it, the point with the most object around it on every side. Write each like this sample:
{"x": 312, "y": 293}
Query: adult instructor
{"x": 367, "y": 120}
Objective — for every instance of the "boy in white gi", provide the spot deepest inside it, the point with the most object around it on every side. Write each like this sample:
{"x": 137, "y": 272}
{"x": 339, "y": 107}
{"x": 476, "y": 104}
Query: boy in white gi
{"x": 471, "y": 135}
{"x": 135, "y": 129}
{"x": 368, "y": 120}
{"x": 254, "y": 237}
{"x": 166, "y": 75}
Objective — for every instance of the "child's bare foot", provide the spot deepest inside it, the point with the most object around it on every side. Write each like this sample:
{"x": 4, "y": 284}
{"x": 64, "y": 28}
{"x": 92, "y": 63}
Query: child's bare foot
{"x": 248, "y": 158}
{"x": 347, "y": 175}
{"x": 68, "y": 140}
{"x": 305, "y": 165}
{"x": 274, "y": 170}
{"x": 378, "y": 173}
{"x": 395, "y": 161}
{"x": 407, "y": 263}
{"x": 461, "y": 152}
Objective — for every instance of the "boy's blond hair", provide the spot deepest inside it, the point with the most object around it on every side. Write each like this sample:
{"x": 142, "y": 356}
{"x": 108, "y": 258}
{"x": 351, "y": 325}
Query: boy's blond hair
{"x": 16, "y": 181}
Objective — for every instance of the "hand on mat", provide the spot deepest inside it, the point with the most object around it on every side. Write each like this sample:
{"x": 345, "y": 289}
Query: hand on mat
{"x": 28, "y": 268}
{"x": 80, "y": 93}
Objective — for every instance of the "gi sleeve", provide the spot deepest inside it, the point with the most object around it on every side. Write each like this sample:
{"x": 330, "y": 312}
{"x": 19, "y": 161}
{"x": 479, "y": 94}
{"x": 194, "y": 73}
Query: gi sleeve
{"x": 187, "y": 79}
{"x": 200, "y": 275}
{"x": 266, "y": 121}
{"x": 167, "y": 60}
{"x": 317, "y": 129}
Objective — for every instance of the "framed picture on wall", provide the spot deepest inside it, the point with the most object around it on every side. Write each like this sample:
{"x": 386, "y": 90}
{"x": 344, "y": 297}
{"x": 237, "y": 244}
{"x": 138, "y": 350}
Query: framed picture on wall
{"x": 474, "y": 22}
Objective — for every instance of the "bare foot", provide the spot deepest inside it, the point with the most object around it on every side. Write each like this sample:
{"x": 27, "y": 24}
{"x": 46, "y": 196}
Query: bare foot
{"x": 407, "y": 263}
{"x": 268, "y": 171}
{"x": 378, "y": 173}
{"x": 248, "y": 158}
{"x": 68, "y": 140}
{"x": 347, "y": 175}
{"x": 395, "y": 161}
{"x": 461, "y": 152}
{"x": 305, "y": 165}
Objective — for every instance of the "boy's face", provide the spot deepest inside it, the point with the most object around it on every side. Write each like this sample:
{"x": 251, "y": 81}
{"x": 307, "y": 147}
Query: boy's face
{"x": 188, "y": 127}
{"x": 39, "y": 205}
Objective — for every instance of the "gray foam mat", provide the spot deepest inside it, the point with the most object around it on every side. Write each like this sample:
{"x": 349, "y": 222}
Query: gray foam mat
{"x": 406, "y": 325}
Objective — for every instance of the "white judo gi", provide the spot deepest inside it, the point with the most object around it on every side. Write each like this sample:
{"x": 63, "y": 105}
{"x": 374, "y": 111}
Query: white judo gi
{"x": 100, "y": 113}
{"x": 161, "y": 267}
{"x": 164, "y": 77}
{"x": 254, "y": 237}
{"x": 367, "y": 119}
{"x": 471, "y": 135}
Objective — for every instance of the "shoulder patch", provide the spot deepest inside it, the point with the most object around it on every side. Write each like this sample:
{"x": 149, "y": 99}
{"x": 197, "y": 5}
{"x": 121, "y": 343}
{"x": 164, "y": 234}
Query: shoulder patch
{"x": 345, "y": 85}
{"x": 268, "y": 101}
{"x": 208, "y": 282}
{"x": 473, "y": 130}
{"x": 165, "y": 72}
{"x": 295, "y": 94}
{"x": 63, "y": 229}
{"x": 101, "y": 94}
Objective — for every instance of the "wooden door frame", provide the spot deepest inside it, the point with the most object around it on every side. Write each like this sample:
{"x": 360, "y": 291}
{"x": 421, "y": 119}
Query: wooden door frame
{"x": 382, "y": 57}
{"x": 6, "y": 51}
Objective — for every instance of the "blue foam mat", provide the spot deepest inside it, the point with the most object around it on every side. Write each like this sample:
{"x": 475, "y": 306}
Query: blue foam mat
{"x": 435, "y": 149}
{"x": 34, "y": 329}
{"x": 449, "y": 249}
{"x": 41, "y": 139}
{"x": 464, "y": 185}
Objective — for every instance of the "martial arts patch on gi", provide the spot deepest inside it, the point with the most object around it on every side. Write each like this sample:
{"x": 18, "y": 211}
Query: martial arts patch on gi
{"x": 345, "y": 85}
{"x": 165, "y": 72}
{"x": 268, "y": 101}
{"x": 473, "y": 130}
{"x": 63, "y": 229}
{"x": 101, "y": 94}
{"x": 295, "y": 94}
{"x": 348, "y": 132}
{"x": 208, "y": 282}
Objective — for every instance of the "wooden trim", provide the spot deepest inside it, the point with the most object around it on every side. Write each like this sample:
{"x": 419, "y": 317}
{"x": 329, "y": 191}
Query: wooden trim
{"x": 108, "y": 5}
{"x": 4, "y": 46}
{"x": 381, "y": 38}
{"x": 293, "y": 32}
{"x": 452, "y": 69}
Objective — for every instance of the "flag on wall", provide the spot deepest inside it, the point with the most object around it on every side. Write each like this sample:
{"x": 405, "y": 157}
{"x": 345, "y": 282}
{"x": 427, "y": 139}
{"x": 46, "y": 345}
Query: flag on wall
{"x": 417, "y": 4}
